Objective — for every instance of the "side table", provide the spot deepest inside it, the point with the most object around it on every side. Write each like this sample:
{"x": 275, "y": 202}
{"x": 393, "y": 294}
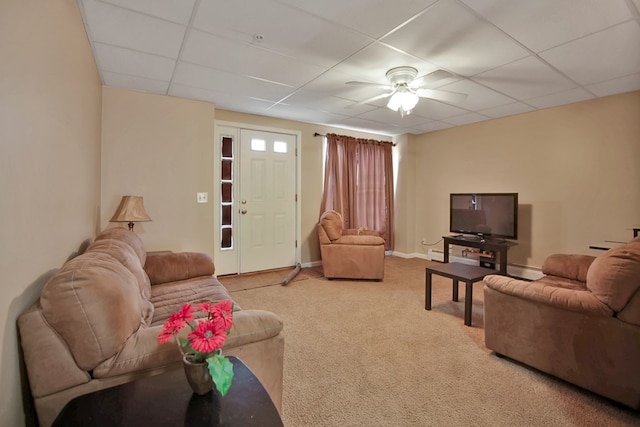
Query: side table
{"x": 167, "y": 400}
{"x": 457, "y": 271}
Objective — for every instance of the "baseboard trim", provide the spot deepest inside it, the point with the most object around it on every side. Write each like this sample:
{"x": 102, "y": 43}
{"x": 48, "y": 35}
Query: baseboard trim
{"x": 519, "y": 271}
{"x": 514, "y": 270}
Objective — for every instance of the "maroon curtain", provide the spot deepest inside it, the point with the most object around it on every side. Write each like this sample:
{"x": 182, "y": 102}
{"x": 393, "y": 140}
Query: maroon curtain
{"x": 358, "y": 183}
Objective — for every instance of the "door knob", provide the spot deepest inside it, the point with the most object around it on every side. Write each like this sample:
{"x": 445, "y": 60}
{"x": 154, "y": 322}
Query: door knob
{"x": 243, "y": 211}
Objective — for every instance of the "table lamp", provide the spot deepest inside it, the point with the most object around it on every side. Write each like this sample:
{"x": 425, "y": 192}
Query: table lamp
{"x": 131, "y": 209}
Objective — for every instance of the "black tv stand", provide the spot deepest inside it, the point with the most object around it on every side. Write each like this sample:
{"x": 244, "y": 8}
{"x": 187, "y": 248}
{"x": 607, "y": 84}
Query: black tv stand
{"x": 491, "y": 246}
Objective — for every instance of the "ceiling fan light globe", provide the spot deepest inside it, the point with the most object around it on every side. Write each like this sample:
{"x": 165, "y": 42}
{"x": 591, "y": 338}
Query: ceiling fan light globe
{"x": 404, "y": 100}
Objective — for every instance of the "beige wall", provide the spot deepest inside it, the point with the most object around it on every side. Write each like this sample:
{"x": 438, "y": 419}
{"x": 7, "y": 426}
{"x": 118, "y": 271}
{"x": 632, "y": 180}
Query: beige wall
{"x": 49, "y": 161}
{"x": 576, "y": 169}
{"x": 312, "y": 169}
{"x": 160, "y": 148}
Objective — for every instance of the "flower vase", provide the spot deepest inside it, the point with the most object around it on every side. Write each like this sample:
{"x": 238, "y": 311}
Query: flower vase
{"x": 198, "y": 376}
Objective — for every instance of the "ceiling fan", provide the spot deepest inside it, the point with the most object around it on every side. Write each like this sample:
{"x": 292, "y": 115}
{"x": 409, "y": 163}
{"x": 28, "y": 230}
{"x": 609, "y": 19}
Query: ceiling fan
{"x": 406, "y": 90}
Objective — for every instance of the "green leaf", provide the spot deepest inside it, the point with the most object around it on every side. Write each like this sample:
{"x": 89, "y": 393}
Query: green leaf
{"x": 221, "y": 370}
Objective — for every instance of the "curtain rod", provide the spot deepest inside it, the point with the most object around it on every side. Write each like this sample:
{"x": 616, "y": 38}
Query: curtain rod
{"x": 380, "y": 142}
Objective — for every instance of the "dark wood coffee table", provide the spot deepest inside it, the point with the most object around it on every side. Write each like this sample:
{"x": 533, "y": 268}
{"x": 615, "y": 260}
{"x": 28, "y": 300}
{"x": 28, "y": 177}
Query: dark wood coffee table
{"x": 167, "y": 400}
{"x": 469, "y": 274}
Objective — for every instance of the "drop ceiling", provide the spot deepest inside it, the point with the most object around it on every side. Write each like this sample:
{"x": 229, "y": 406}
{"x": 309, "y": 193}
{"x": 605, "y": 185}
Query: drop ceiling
{"x": 291, "y": 59}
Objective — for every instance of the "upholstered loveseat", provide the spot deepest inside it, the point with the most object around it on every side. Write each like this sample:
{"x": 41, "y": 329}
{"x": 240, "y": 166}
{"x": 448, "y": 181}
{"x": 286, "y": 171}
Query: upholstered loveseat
{"x": 355, "y": 253}
{"x": 97, "y": 321}
{"x": 580, "y": 322}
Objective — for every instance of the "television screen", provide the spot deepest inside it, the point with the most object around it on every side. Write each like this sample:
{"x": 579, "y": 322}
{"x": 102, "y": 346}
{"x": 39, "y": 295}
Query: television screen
{"x": 484, "y": 214}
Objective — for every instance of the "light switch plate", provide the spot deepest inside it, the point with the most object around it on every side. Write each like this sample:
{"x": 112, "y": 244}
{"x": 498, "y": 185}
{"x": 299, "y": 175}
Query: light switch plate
{"x": 202, "y": 197}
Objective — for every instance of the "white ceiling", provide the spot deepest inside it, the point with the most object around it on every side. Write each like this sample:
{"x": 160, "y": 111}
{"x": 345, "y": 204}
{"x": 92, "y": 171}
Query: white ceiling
{"x": 509, "y": 56}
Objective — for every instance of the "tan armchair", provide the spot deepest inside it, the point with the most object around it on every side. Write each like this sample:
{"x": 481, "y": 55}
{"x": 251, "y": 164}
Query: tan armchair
{"x": 579, "y": 322}
{"x": 349, "y": 254}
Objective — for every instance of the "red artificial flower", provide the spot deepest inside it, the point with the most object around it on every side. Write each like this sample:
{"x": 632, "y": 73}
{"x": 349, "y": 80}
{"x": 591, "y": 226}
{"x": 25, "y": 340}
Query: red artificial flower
{"x": 207, "y": 337}
{"x": 222, "y": 313}
{"x": 185, "y": 313}
{"x": 165, "y": 336}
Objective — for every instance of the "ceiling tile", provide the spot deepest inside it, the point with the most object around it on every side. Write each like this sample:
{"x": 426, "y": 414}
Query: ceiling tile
{"x": 560, "y": 98}
{"x": 524, "y": 79}
{"x": 507, "y": 110}
{"x": 542, "y": 24}
{"x": 121, "y": 27}
{"x": 221, "y": 81}
{"x": 286, "y": 30}
{"x": 433, "y": 126}
{"x": 385, "y": 115}
{"x": 466, "y": 119}
{"x": 436, "y": 110}
{"x": 331, "y": 104}
{"x": 246, "y": 59}
{"x": 381, "y": 16}
{"x": 369, "y": 126}
{"x": 223, "y": 101}
{"x": 138, "y": 84}
{"x": 127, "y": 61}
{"x": 619, "y": 85}
{"x": 478, "y": 96}
{"x": 602, "y": 56}
{"x": 451, "y": 36}
{"x": 170, "y": 10}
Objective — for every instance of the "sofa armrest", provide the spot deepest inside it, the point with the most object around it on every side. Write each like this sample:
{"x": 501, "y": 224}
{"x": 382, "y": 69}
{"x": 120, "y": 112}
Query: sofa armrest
{"x": 568, "y": 266}
{"x": 566, "y": 299}
{"x": 251, "y": 326}
{"x": 50, "y": 364}
{"x": 164, "y": 267}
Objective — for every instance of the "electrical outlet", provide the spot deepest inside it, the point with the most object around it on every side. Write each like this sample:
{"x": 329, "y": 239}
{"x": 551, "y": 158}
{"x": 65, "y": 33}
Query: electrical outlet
{"x": 202, "y": 197}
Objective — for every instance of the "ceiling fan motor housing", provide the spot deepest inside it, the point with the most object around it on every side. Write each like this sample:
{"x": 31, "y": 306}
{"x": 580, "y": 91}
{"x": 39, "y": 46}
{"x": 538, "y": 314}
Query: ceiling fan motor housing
{"x": 401, "y": 75}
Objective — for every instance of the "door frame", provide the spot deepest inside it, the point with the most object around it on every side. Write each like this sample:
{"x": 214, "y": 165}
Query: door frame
{"x": 228, "y": 261}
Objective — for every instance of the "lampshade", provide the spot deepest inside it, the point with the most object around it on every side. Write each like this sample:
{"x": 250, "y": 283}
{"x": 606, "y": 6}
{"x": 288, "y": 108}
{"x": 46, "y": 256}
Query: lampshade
{"x": 403, "y": 100}
{"x": 131, "y": 209}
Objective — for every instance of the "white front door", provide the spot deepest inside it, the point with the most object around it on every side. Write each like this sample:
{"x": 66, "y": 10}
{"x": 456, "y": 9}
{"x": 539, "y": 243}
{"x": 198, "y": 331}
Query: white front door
{"x": 267, "y": 200}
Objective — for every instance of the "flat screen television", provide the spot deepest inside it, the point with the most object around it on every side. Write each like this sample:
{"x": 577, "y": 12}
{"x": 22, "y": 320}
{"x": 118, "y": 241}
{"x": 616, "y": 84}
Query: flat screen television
{"x": 484, "y": 214}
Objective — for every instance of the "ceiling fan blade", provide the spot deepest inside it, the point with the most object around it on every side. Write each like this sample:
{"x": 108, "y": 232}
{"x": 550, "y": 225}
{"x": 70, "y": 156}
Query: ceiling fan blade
{"x": 370, "y": 84}
{"x": 430, "y": 78}
{"x": 442, "y": 95}
{"x": 374, "y": 98}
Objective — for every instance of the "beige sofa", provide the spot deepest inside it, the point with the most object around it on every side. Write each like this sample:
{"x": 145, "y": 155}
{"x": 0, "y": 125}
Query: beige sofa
{"x": 349, "y": 253}
{"x": 97, "y": 321}
{"x": 580, "y": 322}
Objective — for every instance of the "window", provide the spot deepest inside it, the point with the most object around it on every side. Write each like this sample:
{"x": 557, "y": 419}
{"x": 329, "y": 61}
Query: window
{"x": 226, "y": 194}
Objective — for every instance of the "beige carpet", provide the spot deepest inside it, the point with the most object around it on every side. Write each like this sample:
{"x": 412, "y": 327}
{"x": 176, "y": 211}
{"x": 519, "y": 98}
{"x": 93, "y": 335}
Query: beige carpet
{"x": 362, "y": 353}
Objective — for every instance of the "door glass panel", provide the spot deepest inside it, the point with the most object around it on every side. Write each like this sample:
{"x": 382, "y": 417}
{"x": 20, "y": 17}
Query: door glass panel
{"x": 227, "y": 240}
{"x": 258, "y": 144}
{"x": 279, "y": 147}
{"x": 226, "y": 193}
{"x": 226, "y": 169}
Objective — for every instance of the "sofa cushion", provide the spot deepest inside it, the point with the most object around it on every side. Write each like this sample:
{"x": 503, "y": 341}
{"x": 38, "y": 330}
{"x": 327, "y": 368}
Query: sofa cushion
{"x": 125, "y": 254}
{"x": 128, "y": 237}
{"x": 167, "y": 298}
{"x": 614, "y": 277}
{"x": 580, "y": 301}
{"x": 171, "y": 267}
{"x": 94, "y": 303}
{"x": 362, "y": 240}
{"x": 331, "y": 221}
